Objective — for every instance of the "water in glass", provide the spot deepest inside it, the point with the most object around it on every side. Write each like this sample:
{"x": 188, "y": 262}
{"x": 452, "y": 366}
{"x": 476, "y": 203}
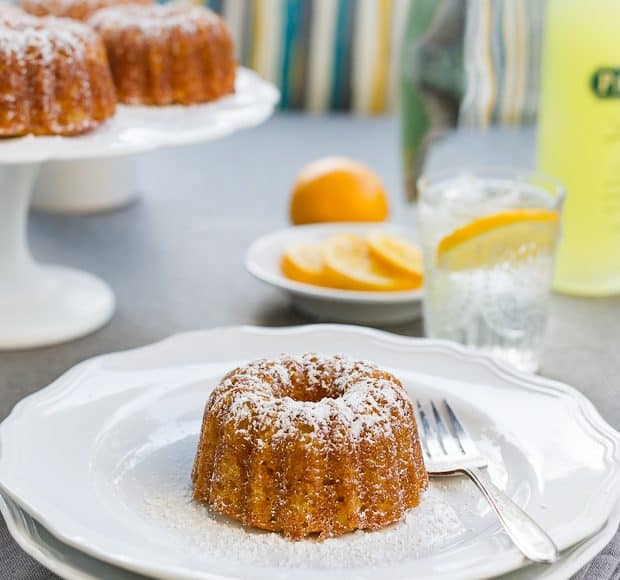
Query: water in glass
{"x": 489, "y": 241}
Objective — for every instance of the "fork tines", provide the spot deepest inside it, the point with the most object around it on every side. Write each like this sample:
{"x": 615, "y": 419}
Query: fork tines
{"x": 440, "y": 437}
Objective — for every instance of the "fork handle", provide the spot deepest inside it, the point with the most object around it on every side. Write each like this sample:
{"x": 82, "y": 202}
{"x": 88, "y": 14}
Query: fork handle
{"x": 527, "y": 535}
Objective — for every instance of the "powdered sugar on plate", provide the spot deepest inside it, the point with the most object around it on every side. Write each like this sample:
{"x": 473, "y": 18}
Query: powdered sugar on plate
{"x": 168, "y": 504}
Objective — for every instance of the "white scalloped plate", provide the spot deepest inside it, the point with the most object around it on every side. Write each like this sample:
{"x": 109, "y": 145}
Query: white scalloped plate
{"x": 137, "y": 129}
{"x": 72, "y": 564}
{"x": 81, "y": 455}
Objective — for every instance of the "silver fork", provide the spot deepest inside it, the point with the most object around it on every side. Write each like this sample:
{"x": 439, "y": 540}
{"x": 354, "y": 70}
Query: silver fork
{"x": 449, "y": 452}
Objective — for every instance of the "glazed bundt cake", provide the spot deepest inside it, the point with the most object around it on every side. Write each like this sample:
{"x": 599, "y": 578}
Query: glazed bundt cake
{"x": 54, "y": 76}
{"x": 165, "y": 54}
{"x": 309, "y": 445}
{"x": 77, "y": 9}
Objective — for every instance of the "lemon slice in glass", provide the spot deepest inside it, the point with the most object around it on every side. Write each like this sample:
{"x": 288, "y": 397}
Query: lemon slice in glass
{"x": 509, "y": 236}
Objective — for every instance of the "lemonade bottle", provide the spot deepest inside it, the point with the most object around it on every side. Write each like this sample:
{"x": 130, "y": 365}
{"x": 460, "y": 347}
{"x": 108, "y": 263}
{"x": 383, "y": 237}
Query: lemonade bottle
{"x": 579, "y": 139}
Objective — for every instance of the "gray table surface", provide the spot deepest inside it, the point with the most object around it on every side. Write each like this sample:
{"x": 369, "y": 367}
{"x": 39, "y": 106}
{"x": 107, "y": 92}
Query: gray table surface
{"x": 175, "y": 258}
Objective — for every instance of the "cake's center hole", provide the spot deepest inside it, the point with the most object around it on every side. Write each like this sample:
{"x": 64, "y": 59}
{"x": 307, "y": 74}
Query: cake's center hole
{"x": 314, "y": 391}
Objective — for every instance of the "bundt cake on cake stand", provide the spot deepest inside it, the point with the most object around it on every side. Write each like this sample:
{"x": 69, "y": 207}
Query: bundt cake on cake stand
{"x": 159, "y": 55}
{"x": 41, "y": 304}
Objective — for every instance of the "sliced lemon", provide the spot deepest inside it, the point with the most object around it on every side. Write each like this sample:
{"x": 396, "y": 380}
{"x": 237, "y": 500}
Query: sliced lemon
{"x": 304, "y": 263}
{"x": 507, "y": 236}
{"x": 397, "y": 253}
{"x": 350, "y": 265}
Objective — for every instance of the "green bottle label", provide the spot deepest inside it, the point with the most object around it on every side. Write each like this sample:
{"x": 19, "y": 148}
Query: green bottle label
{"x": 605, "y": 83}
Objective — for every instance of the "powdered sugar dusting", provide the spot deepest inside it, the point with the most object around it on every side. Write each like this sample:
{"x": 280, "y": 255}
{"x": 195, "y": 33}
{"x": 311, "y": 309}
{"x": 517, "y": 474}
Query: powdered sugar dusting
{"x": 46, "y": 67}
{"x": 155, "y": 20}
{"x": 60, "y": 6}
{"x": 424, "y": 530}
{"x": 26, "y": 37}
{"x": 78, "y": 9}
{"x": 355, "y": 394}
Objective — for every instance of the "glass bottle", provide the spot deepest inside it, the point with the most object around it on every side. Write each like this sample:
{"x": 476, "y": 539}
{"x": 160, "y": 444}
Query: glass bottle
{"x": 579, "y": 139}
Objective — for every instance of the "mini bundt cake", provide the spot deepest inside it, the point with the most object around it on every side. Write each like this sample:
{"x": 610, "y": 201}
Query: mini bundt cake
{"x": 309, "y": 445}
{"x": 77, "y": 9}
{"x": 167, "y": 54}
{"x": 54, "y": 76}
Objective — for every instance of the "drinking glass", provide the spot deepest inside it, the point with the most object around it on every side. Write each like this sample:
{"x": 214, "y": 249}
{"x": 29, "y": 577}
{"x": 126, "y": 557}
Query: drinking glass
{"x": 488, "y": 237}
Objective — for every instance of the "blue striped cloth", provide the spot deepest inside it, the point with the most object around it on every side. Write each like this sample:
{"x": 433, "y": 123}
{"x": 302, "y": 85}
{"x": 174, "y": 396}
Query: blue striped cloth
{"x": 322, "y": 54}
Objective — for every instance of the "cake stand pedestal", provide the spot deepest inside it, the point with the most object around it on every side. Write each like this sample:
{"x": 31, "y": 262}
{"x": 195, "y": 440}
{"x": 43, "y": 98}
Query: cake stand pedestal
{"x": 85, "y": 186}
{"x": 40, "y": 304}
{"x": 46, "y": 304}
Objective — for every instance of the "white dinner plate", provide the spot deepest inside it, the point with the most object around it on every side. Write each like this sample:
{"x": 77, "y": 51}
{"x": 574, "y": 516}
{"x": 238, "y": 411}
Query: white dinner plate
{"x": 263, "y": 257}
{"x": 72, "y": 564}
{"x": 101, "y": 458}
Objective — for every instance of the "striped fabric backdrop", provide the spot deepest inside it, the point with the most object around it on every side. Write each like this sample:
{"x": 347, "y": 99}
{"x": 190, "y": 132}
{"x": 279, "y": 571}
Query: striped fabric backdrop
{"x": 467, "y": 63}
{"x": 323, "y": 54}
{"x": 503, "y": 44}
{"x": 344, "y": 54}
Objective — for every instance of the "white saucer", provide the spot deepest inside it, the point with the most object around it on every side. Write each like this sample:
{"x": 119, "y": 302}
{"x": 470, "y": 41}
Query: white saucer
{"x": 331, "y": 304}
{"x": 120, "y": 430}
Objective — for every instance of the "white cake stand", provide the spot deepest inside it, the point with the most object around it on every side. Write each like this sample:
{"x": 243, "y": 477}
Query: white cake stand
{"x": 42, "y": 305}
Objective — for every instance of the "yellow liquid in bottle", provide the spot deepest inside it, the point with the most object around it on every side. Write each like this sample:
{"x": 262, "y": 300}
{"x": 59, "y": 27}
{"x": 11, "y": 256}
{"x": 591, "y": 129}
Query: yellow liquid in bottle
{"x": 579, "y": 139}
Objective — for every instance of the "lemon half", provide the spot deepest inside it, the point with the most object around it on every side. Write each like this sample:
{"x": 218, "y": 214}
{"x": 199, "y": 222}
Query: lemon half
{"x": 336, "y": 189}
